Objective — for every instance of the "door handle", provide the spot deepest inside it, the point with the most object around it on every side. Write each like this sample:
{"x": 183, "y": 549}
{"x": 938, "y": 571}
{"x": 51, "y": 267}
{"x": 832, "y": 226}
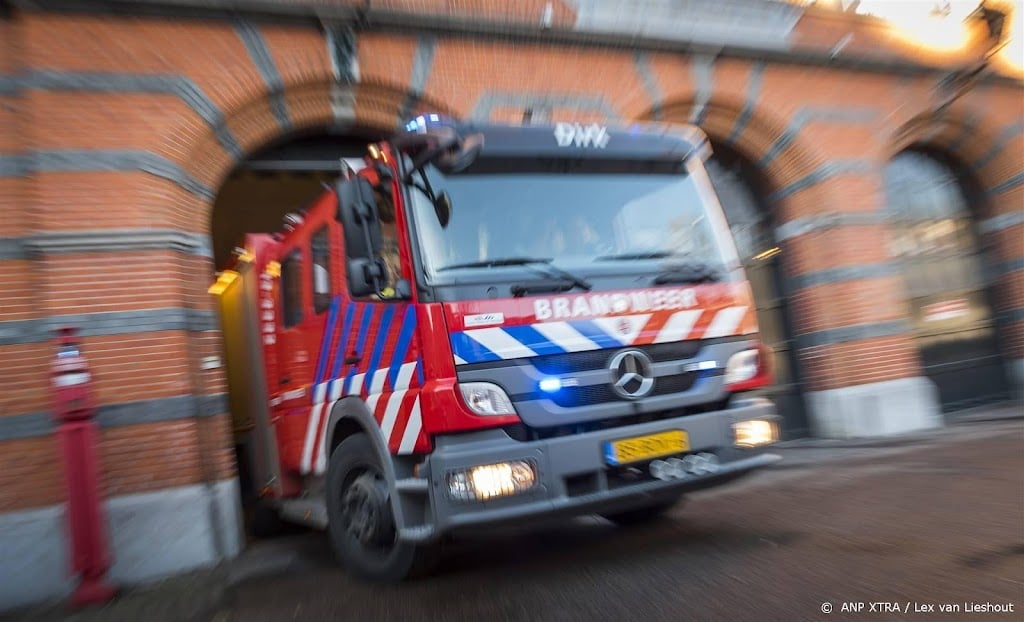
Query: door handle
{"x": 286, "y": 380}
{"x": 352, "y": 359}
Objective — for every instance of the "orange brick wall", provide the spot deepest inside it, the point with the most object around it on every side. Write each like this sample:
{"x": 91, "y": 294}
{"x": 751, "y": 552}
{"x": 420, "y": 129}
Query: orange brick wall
{"x": 211, "y": 55}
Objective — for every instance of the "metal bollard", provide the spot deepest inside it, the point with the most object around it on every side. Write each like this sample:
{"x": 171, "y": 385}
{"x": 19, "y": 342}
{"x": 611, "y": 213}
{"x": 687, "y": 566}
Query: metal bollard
{"x": 75, "y": 411}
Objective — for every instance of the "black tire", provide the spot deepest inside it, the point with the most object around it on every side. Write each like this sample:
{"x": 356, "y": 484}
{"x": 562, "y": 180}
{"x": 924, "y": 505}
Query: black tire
{"x": 644, "y": 514}
{"x": 354, "y": 474}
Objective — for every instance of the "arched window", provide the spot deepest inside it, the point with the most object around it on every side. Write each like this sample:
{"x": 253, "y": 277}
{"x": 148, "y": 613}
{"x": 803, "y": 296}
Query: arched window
{"x": 931, "y": 210}
{"x": 932, "y": 226}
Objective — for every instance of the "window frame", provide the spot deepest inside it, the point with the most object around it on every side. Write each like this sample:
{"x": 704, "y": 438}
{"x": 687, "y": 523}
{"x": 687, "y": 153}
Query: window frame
{"x": 292, "y": 313}
{"x": 321, "y": 301}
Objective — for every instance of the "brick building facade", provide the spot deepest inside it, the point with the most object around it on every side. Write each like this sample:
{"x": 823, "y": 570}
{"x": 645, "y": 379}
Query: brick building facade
{"x": 121, "y": 122}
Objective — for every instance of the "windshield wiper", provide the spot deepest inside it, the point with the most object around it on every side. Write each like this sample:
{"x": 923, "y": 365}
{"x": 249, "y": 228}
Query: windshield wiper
{"x": 502, "y": 261}
{"x": 688, "y": 273}
{"x": 529, "y": 262}
{"x": 638, "y": 255}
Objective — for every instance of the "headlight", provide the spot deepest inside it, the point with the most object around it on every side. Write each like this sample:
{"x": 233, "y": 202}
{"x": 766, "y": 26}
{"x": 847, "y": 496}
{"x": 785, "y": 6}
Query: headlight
{"x": 742, "y": 366}
{"x": 484, "y": 398}
{"x": 755, "y": 432}
{"x": 492, "y": 480}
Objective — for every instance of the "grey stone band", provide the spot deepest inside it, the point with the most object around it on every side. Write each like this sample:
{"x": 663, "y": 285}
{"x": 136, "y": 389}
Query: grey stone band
{"x": 1006, "y": 135}
{"x": 703, "y": 70}
{"x": 1002, "y": 221}
{"x": 1008, "y": 267}
{"x": 1010, "y": 183}
{"x": 823, "y": 173}
{"x": 260, "y": 54}
{"x": 422, "y": 65}
{"x": 9, "y": 86}
{"x": 179, "y": 86}
{"x": 99, "y": 160}
{"x": 650, "y": 82}
{"x": 858, "y": 332}
{"x": 102, "y": 241}
{"x": 13, "y": 165}
{"x": 807, "y": 114}
{"x": 810, "y": 224}
{"x": 847, "y": 273}
{"x": 1010, "y": 316}
{"x": 32, "y": 425}
{"x": 969, "y": 128}
{"x": 753, "y": 94}
{"x": 13, "y": 248}
{"x": 343, "y": 50}
{"x": 490, "y": 100}
{"x": 106, "y": 323}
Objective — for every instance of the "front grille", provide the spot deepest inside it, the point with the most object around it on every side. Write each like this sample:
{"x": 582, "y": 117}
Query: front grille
{"x": 574, "y": 397}
{"x": 524, "y": 433}
{"x": 574, "y": 362}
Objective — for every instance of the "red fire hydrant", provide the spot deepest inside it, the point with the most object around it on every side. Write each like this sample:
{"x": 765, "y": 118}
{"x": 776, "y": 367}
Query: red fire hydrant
{"x": 75, "y": 410}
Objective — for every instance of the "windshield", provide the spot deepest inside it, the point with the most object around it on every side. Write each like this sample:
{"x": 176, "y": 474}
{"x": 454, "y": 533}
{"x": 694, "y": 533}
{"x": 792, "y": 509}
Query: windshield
{"x": 617, "y": 220}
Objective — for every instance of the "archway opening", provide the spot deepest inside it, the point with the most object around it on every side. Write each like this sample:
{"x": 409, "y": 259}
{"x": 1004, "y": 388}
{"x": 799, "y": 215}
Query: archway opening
{"x": 282, "y": 178}
{"x": 742, "y": 190}
{"x": 933, "y": 204}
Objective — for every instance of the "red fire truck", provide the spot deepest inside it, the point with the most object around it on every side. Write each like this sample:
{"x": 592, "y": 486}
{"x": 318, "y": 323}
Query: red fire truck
{"x": 483, "y": 325}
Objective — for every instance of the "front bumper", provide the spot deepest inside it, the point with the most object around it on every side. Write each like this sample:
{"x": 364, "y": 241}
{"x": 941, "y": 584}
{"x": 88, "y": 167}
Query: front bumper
{"x": 572, "y": 476}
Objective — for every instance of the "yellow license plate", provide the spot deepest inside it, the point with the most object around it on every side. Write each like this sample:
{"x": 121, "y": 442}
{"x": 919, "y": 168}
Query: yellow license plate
{"x": 640, "y": 448}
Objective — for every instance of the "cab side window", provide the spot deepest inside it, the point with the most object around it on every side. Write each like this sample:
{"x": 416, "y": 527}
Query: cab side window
{"x": 321, "y": 254}
{"x": 291, "y": 289}
{"x": 389, "y": 241}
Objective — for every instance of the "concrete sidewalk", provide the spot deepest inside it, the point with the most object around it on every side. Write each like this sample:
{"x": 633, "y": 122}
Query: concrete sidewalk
{"x": 200, "y": 595}
{"x": 804, "y": 452}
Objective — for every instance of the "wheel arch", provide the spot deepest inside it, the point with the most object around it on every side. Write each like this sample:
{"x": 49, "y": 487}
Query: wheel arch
{"x": 351, "y": 416}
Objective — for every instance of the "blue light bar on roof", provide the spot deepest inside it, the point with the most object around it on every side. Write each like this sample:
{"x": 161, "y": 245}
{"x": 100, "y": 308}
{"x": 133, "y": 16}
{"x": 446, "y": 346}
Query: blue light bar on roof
{"x": 424, "y": 121}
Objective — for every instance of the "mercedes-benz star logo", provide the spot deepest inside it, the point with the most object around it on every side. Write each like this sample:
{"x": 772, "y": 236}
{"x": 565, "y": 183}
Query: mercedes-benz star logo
{"x": 632, "y": 376}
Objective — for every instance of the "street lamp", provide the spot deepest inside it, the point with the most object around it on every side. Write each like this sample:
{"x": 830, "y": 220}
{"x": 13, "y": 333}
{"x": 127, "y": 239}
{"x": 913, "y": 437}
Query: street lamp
{"x": 986, "y": 27}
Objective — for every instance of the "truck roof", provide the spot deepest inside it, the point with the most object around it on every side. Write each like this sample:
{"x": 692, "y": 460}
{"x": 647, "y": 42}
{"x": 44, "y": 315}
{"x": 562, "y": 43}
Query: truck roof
{"x": 645, "y": 141}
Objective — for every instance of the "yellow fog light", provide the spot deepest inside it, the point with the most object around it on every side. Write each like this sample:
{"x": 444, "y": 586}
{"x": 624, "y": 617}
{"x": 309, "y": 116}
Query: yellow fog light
{"x": 492, "y": 480}
{"x": 755, "y": 432}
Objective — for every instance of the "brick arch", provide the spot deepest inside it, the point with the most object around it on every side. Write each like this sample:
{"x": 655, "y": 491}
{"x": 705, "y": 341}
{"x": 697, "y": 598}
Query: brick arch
{"x": 958, "y": 135}
{"x": 978, "y": 149}
{"x": 798, "y": 160}
{"x": 805, "y": 193}
{"x": 373, "y": 105}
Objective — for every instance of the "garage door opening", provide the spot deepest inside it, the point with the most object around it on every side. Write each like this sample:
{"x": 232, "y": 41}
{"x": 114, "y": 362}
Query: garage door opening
{"x": 742, "y": 190}
{"x": 933, "y": 206}
{"x": 282, "y": 179}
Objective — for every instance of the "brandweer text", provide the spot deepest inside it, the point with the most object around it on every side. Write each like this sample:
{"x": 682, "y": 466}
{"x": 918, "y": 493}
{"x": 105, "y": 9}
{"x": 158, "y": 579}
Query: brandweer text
{"x": 566, "y": 307}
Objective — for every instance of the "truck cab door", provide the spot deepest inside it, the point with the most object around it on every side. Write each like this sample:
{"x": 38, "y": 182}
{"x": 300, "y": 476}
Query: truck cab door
{"x": 306, "y": 293}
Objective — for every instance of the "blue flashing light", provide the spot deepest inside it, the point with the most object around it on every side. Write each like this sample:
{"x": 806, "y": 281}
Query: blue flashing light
{"x": 423, "y": 121}
{"x": 550, "y": 385}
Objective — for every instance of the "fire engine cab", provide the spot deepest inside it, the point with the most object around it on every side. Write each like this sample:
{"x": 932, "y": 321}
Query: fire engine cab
{"x": 481, "y": 325}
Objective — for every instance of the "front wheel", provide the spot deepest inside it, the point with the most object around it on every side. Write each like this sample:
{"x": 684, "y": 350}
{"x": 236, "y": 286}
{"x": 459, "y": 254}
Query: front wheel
{"x": 361, "y": 524}
{"x": 643, "y": 514}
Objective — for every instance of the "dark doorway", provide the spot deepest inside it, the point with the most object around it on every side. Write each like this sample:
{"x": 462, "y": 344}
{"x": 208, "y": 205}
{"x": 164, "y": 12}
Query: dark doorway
{"x": 932, "y": 206}
{"x": 279, "y": 179}
{"x": 283, "y": 178}
{"x": 742, "y": 191}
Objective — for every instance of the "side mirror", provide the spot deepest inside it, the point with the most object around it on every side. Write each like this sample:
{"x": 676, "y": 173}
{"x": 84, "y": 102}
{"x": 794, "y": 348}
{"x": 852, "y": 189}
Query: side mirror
{"x": 363, "y": 276}
{"x": 357, "y": 212}
{"x": 443, "y": 209}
